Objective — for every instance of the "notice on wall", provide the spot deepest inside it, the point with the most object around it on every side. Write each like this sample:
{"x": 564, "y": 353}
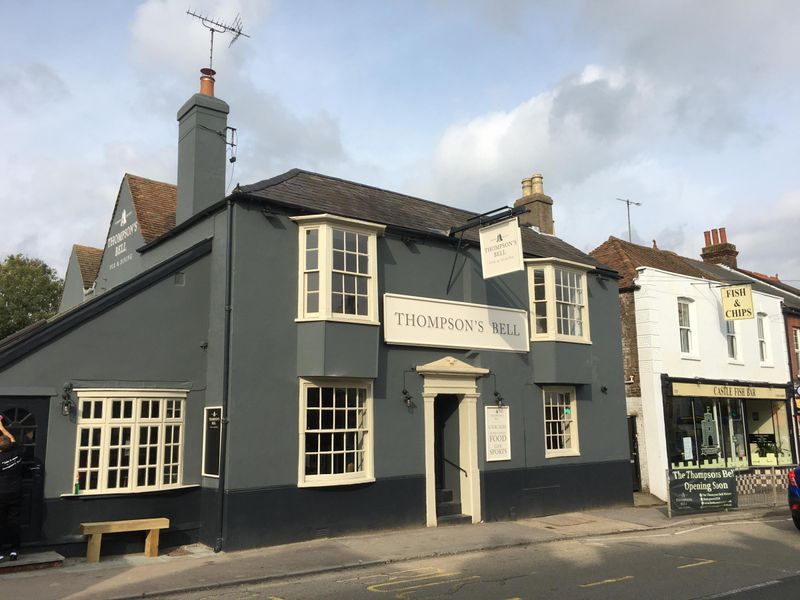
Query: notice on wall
{"x": 212, "y": 438}
{"x": 498, "y": 433}
{"x": 699, "y": 490}
{"x": 737, "y": 302}
{"x": 501, "y": 248}
{"x": 687, "y": 449}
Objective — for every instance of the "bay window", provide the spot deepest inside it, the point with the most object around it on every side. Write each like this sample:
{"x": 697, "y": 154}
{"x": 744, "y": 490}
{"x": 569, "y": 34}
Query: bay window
{"x": 558, "y": 300}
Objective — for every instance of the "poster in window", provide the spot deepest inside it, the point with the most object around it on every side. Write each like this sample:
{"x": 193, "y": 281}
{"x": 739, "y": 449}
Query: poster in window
{"x": 498, "y": 433}
{"x": 212, "y": 438}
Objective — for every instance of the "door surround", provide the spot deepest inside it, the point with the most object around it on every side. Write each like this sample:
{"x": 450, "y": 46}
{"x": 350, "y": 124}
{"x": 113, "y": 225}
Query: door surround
{"x": 449, "y": 375}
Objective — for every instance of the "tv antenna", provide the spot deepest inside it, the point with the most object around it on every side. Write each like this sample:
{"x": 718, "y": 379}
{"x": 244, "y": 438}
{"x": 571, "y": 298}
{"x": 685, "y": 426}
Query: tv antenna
{"x": 628, "y": 203}
{"x": 217, "y": 26}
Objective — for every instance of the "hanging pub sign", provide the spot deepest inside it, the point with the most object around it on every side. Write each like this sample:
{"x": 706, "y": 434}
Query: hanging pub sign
{"x": 699, "y": 490}
{"x": 501, "y": 248}
{"x": 212, "y": 439}
{"x": 737, "y": 302}
{"x": 498, "y": 433}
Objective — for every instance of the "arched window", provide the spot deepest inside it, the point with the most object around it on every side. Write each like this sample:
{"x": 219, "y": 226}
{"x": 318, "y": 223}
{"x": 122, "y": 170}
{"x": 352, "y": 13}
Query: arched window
{"x": 22, "y": 425}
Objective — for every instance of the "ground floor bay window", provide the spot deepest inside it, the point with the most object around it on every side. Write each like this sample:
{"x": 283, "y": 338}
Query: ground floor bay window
{"x": 726, "y": 432}
{"x": 129, "y": 440}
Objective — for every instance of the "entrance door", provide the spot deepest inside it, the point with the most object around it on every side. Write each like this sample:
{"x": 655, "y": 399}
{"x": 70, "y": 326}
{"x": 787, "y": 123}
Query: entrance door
{"x": 26, "y": 420}
{"x": 633, "y": 440}
{"x": 447, "y": 455}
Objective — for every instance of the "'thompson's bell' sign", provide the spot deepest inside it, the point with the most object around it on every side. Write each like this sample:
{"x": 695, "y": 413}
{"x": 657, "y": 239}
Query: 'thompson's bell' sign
{"x": 501, "y": 248}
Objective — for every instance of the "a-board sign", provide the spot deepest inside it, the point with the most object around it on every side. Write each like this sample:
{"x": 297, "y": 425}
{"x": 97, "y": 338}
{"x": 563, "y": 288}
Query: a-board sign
{"x": 700, "y": 490}
{"x": 498, "y": 433}
{"x": 212, "y": 438}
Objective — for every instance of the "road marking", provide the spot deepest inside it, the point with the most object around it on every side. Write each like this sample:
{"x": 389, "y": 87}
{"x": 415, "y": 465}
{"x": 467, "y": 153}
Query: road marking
{"x": 405, "y": 583}
{"x": 741, "y": 589}
{"x": 693, "y": 529}
{"x": 605, "y": 581}
{"x": 703, "y": 561}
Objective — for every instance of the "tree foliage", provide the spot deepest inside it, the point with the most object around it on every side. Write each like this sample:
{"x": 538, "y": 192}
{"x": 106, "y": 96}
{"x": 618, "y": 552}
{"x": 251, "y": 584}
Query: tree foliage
{"x": 29, "y": 291}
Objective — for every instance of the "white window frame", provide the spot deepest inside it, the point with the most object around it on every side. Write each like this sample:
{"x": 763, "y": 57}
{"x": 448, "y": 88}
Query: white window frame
{"x": 548, "y": 267}
{"x": 574, "y": 449}
{"x": 731, "y": 342}
{"x": 796, "y": 335}
{"x": 367, "y": 474}
{"x": 762, "y": 333}
{"x": 692, "y": 352}
{"x": 103, "y": 422}
{"x": 325, "y": 225}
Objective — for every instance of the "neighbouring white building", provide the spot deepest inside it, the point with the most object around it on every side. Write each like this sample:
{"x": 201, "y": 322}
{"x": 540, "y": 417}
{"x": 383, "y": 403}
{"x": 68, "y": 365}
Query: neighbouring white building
{"x": 706, "y": 392}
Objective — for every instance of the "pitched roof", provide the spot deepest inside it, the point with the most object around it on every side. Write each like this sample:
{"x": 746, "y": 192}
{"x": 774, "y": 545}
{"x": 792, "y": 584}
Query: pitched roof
{"x": 626, "y": 257}
{"x": 154, "y": 202}
{"x": 313, "y": 192}
{"x": 89, "y": 262}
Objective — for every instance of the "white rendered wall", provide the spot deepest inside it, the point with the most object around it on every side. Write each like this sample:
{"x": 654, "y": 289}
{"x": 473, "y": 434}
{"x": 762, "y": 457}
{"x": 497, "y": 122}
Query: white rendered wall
{"x": 660, "y": 350}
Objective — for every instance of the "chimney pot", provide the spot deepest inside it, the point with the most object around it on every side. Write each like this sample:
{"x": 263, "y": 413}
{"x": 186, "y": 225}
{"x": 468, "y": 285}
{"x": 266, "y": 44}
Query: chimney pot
{"x": 707, "y": 235}
{"x": 715, "y": 236}
{"x": 723, "y": 236}
{"x": 207, "y": 82}
{"x": 536, "y": 181}
{"x": 527, "y": 186}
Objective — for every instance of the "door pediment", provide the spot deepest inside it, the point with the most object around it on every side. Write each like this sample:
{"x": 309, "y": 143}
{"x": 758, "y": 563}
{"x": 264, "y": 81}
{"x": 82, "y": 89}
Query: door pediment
{"x": 451, "y": 366}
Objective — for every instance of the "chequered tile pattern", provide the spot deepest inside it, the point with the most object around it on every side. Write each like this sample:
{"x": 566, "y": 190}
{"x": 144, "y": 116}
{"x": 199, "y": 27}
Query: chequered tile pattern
{"x": 762, "y": 479}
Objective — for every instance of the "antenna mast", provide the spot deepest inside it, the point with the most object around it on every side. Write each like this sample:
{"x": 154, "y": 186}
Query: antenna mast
{"x": 628, "y": 203}
{"x": 217, "y": 26}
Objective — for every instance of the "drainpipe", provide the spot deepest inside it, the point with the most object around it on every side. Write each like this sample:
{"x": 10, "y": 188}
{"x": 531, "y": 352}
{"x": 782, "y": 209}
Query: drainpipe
{"x": 226, "y": 367}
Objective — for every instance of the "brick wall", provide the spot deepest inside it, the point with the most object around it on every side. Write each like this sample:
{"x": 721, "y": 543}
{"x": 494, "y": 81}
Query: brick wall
{"x": 630, "y": 348}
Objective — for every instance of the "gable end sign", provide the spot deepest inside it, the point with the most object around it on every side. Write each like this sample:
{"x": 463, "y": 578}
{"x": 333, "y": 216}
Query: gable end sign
{"x": 501, "y": 248}
{"x": 737, "y": 302}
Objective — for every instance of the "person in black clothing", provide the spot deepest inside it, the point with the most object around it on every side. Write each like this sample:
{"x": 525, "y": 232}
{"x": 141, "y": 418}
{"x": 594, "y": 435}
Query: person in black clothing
{"x": 11, "y": 455}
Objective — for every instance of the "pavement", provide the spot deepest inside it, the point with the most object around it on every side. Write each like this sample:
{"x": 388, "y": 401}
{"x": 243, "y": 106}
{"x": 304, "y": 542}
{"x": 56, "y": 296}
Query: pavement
{"x": 197, "y": 567}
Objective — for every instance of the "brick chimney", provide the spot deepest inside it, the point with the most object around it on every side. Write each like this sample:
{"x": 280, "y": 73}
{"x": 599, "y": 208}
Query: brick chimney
{"x": 202, "y": 130}
{"x": 540, "y": 206}
{"x": 717, "y": 249}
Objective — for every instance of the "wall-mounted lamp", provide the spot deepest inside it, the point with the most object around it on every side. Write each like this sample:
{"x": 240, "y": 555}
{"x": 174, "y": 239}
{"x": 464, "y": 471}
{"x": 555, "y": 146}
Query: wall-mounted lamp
{"x": 407, "y": 398}
{"x": 604, "y": 389}
{"x": 498, "y": 398}
{"x": 67, "y": 405}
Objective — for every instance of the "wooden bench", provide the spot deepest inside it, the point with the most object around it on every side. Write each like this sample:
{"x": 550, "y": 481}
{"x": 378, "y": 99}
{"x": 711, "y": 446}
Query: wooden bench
{"x": 95, "y": 532}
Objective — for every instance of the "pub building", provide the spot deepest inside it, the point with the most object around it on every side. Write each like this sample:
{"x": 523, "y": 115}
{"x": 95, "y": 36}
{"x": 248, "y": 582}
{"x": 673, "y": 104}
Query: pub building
{"x": 706, "y": 365}
{"x": 310, "y": 356}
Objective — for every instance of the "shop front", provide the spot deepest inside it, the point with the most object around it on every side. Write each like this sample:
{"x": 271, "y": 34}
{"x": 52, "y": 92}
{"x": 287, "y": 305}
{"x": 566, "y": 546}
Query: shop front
{"x": 718, "y": 424}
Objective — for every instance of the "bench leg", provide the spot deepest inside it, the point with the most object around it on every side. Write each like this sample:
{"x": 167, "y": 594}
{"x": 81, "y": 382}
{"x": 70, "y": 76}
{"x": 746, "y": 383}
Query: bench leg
{"x": 151, "y": 543}
{"x": 93, "y": 547}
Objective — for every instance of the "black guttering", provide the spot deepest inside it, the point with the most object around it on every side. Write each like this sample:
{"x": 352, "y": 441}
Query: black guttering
{"x": 226, "y": 368}
{"x": 65, "y": 322}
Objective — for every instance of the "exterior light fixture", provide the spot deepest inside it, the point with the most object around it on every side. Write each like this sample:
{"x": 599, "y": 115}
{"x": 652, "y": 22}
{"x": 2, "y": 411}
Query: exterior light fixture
{"x": 407, "y": 398}
{"x": 67, "y": 405}
{"x": 498, "y": 398}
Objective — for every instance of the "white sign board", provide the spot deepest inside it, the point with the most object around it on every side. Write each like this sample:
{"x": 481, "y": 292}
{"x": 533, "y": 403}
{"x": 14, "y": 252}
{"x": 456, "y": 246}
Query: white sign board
{"x": 415, "y": 321}
{"x": 737, "y": 302}
{"x": 498, "y": 433}
{"x": 501, "y": 248}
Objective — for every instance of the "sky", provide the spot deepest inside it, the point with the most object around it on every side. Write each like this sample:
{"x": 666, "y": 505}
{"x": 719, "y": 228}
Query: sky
{"x": 690, "y": 108}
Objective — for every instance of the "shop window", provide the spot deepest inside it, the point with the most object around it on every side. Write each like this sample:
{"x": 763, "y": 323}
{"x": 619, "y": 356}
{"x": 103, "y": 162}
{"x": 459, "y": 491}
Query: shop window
{"x": 335, "y": 432}
{"x": 685, "y": 326}
{"x": 761, "y": 325}
{"x": 730, "y": 336}
{"x": 558, "y": 301}
{"x": 338, "y": 269}
{"x": 768, "y": 432}
{"x": 560, "y": 422}
{"x": 726, "y": 432}
{"x": 129, "y": 440}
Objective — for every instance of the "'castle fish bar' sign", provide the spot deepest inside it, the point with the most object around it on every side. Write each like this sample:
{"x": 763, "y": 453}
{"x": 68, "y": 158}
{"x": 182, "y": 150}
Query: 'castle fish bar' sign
{"x": 737, "y": 302}
{"x": 501, "y": 248}
{"x": 416, "y": 321}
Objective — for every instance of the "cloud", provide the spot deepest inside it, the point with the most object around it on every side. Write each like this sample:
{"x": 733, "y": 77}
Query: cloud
{"x": 30, "y": 86}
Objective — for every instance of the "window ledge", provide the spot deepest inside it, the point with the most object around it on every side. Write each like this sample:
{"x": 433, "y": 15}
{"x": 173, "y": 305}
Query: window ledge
{"x": 690, "y": 357}
{"x": 767, "y": 365}
{"x": 563, "y": 454}
{"x": 128, "y": 492}
{"x": 338, "y": 320}
{"x": 738, "y": 363}
{"x": 335, "y": 482}
{"x": 565, "y": 340}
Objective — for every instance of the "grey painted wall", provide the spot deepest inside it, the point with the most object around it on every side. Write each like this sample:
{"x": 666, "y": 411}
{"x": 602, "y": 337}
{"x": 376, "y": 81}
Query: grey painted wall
{"x": 73, "y": 284}
{"x": 151, "y": 340}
